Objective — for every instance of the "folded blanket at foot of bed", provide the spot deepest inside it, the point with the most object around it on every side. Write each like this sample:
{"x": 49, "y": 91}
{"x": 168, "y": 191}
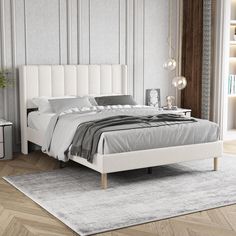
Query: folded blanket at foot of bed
{"x": 87, "y": 136}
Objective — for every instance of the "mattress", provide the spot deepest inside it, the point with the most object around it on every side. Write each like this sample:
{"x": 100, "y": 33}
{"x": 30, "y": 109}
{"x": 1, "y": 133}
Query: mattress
{"x": 39, "y": 121}
{"x": 61, "y": 131}
{"x": 202, "y": 131}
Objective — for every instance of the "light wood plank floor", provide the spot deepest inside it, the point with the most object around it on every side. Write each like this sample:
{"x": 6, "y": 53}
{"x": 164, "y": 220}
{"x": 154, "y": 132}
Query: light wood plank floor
{"x": 19, "y": 216}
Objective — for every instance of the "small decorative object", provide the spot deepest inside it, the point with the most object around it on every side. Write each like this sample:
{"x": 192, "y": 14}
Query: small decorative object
{"x": 4, "y": 82}
{"x": 170, "y": 100}
{"x": 153, "y": 97}
{"x": 170, "y": 63}
{"x": 235, "y": 33}
{"x": 179, "y": 82}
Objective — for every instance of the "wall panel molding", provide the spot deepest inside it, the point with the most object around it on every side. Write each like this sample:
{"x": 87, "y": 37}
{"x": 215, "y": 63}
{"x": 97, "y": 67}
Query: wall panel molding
{"x": 130, "y": 44}
{"x": 14, "y": 75}
{"x": 25, "y": 28}
{"x": 69, "y": 31}
{"x": 3, "y": 53}
{"x": 73, "y": 30}
{"x": 84, "y": 32}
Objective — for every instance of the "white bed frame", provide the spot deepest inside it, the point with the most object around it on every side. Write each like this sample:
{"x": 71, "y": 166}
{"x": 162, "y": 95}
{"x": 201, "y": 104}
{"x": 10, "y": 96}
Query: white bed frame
{"x": 60, "y": 80}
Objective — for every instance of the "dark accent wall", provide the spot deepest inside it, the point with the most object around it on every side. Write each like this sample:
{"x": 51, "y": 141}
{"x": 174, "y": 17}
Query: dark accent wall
{"x": 192, "y": 55}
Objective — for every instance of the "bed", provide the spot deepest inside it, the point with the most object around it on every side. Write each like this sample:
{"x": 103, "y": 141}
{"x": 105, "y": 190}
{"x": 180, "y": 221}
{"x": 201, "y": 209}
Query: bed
{"x": 81, "y": 80}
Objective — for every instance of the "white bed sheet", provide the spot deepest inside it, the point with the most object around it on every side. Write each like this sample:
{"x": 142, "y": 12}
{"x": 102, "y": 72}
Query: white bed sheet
{"x": 38, "y": 120}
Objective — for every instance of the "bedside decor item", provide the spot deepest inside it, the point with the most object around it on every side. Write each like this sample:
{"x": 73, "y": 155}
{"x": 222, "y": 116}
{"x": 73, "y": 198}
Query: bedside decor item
{"x": 153, "y": 97}
{"x": 5, "y": 140}
{"x": 170, "y": 63}
{"x": 170, "y": 100}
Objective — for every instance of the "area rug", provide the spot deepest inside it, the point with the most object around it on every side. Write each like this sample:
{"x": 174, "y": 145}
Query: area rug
{"x": 74, "y": 196}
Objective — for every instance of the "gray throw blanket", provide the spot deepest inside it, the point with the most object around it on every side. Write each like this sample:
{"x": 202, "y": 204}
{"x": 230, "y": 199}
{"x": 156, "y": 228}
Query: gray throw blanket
{"x": 86, "y": 139}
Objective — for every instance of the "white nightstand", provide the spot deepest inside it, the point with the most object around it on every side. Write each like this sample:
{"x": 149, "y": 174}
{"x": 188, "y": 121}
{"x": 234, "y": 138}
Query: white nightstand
{"x": 186, "y": 112}
{"x": 5, "y": 140}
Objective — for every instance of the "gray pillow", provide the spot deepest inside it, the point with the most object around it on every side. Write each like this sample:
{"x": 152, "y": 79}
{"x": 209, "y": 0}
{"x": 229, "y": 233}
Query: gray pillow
{"x": 115, "y": 100}
{"x": 92, "y": 100}
{"x": 60, "y": 105}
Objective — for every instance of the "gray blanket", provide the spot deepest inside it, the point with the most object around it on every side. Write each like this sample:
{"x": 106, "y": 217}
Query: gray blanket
{"x": 87, "y": 136}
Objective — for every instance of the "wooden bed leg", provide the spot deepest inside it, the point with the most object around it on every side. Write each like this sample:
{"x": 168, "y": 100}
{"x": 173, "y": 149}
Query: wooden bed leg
{"x": 215, "y": 163}
{"x": 149, "y": 170}
{"x": 104, "y": 181}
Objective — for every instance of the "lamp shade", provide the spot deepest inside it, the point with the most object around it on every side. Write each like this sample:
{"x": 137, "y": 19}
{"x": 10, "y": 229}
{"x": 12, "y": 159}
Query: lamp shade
{"x": 179, "y": 82}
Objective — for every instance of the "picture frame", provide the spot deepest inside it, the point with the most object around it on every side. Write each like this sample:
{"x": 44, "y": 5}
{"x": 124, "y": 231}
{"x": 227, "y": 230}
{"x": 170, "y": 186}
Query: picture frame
{"x": 153, "y": 97}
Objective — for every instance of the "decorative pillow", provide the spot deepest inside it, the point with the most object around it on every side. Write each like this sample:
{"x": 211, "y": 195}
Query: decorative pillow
{"x": 60, "y": 105}
{"x": 115, "y": 100}
{"x": 43, "y": 103}
{"x": 92, "y": 100}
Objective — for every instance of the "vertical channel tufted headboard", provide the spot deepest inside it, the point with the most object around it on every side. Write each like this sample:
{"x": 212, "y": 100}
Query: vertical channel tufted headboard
{"x": 60, "y": 80}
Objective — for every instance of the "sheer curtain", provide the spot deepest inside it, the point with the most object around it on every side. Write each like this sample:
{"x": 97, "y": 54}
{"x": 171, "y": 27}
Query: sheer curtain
{"x": 218, "y": 111}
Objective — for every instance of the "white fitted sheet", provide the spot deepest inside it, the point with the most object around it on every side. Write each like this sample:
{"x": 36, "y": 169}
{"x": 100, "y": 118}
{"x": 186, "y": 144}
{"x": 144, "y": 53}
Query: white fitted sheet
{"x": 38, "y": 120}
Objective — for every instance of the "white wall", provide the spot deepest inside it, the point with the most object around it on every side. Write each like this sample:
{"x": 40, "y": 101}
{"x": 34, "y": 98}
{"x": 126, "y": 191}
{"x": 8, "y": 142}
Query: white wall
{"x": 132, "y": 32}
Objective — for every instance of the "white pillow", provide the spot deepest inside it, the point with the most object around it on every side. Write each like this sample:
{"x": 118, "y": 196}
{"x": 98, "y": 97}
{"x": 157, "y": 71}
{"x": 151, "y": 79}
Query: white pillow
{"x": 43, "y": 103}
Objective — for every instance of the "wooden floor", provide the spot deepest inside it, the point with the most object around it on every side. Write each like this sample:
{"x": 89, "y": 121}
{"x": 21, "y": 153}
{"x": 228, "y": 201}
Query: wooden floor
{"x": 19, "y": 216}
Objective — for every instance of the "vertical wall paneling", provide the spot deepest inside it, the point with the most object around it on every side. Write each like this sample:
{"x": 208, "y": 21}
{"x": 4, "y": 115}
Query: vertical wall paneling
{"x": 123, "y": 31}
{"x": 14, "y": 74}
{"x": 42, "y": 31}
{"x": 84, "y": 31}
{"x": 4, "y": 112}
{"x": 130, "y": 44}
{"x": 9, "y": 99}
{"x": 59, "y": 33}
{"x": 104, "y": 31}
{"x": 74, "y": 32}
{"x": 25, "y": 33}
{"x": 138, "y": 50}
{"x": 1, "y": 91}
{"x": 69, "y": 31}
{"x": 131, "y": 32}
{"x": 63, "y": 42}
{"x": 21, "y": 57}
{"x": 78, "y": 30}
{"x": 178, "y": 46}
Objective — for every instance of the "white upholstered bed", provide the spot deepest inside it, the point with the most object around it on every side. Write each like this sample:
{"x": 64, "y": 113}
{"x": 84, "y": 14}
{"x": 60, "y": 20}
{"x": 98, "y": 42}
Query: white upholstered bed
{"x": 61, "y": 80}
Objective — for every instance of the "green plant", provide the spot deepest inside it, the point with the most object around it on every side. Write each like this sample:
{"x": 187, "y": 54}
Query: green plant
{"x": 4, "y": 81}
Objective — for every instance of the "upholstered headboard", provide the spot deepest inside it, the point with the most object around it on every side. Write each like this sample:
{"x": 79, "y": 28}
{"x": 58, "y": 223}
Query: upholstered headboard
{"x": 60, "y": 80}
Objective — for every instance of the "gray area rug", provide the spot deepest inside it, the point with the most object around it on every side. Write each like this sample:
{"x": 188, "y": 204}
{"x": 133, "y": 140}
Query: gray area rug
{"x": 73, "y": 194}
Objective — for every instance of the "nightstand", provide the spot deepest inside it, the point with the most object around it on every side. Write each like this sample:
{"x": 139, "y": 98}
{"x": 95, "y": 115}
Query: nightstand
{"x": 186, "y": 112}
{"x": 5, "y": 140}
